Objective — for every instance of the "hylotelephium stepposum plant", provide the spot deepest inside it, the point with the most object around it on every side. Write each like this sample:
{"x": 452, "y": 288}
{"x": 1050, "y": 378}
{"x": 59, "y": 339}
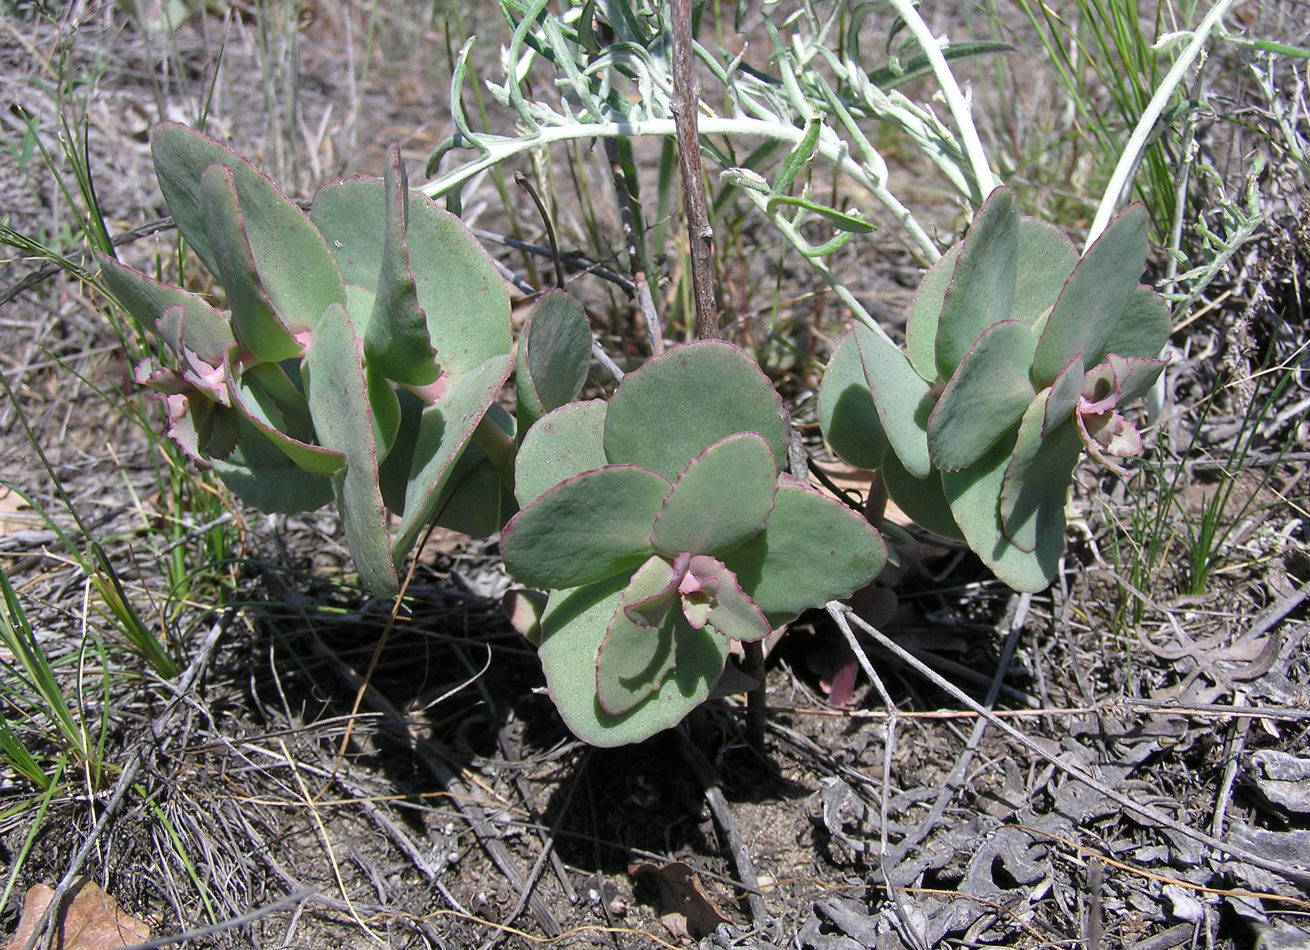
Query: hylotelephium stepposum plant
{"x": 665, "y": 531}
{"x": 1018, "y": 356}
{"x": 358, "y": 360}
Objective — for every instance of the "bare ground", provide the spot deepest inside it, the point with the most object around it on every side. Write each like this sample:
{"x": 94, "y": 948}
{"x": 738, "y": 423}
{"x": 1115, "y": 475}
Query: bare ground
{"x": 332, "y": 775}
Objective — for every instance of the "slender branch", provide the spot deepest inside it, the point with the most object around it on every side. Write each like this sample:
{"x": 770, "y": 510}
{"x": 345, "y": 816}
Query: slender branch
{"x": 1148, "y": 812}
{"x": 700, "y": 235}
{"x": 522, "y": 181}
{"x": 623, "y": 194}
{"x": 955, "y": 100}
{"x": 497, "y": 149}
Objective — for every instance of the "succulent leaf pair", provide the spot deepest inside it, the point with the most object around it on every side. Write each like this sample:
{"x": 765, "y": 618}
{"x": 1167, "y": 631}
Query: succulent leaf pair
{"x": 664, "y": 530}
{"x": 362, "y": 346}
{"x": 1018, "y": 355}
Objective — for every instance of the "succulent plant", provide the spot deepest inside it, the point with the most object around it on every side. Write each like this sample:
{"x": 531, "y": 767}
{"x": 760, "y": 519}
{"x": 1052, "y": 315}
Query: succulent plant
{"x": 360, "y": 350}
{"x": 1018, "y": 355}
{"x": 664, "y": 531}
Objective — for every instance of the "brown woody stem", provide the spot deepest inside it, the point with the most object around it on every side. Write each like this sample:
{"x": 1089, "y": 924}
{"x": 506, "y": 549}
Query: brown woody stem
{"x": 700, "y": 235}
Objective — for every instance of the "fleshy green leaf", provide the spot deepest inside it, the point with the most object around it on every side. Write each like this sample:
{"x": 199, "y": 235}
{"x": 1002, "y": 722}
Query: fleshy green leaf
{"x": 296, "y": 269}
{"x": 920, "y": 498}
{"x": 444, "y": 430}
{"x": 565, "y": 442}
{"x": 812, "y": 550}
{"x": 720, "y": 500}
{"x": 553, "y": 357}
{"x": 730, "y": 612}
{"x": 572, "y": 627}
{"x": 585, "y": 529}
{"x": 1134, "y": 377}
{"x": 1037, "y": 480}
{"x": 199, "y": 327}
{"x": 925, "y": 314}
{"x": 459, "y": 288}
{"x": 1142, "y": 330}
{"x": 396, "y": 342}
{"x": 653, "y": 590}
{"x": 1063, "y": 395}
{"x": 902, "y": 398}
{"x": 475, "y": 499}
{"x": 1046, "y": 259}
{"x": 982, "y": 288}
{"x": 262, "y": 475}
{"x": 385, "y": 403}
{"x": 343, "y": 418}
{"x": 985, "y": 398}
{"x": 680, "y": 403}
{"x": 974, "y": 496}
{"x": 351, "y": 214}
{"x": 847, "y": 414}
{"x": 255, "y": 322}
{"x": 636, "y": 656}
{"x": 1087, "y": 315}
{"x": 272, "y": 404}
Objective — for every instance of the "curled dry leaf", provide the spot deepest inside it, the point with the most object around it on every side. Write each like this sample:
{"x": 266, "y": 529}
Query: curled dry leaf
{"x": 685, "y": 909}
{"x": 92, "y": 920}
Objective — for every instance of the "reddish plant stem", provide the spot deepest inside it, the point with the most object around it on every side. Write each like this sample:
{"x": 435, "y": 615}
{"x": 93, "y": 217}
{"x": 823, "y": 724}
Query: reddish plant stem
{"x": 700, "y": 235}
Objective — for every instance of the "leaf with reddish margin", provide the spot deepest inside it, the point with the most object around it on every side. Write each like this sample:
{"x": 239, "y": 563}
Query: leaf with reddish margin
{"x": 444, "y": 430}
{"x": 729, "y": 610}
{"x": 564, "y": 442}
{"x": 256, "y": 323}
{"x": 847, "y": 414}
{"x": 572, "y": 627}
{"x": 678, "y": 404}
{"x": 925, "y": 315}
{"x": 272, "y": 404}
{"x": 920, "y": 498}
{"x": 981, "y": 291}
{"x": 1088, "y": 314}
{"x": 720, "y": 500}
{"x": 638, "y": 651}
{"x": 585, "y": 529}
{"x": 985, "y": 398}
{"x": 338, "y": 400}
{"x": 902, "y": 397}
{"x": 1037, "y": 480}
{"x": 396, "y": 341}
{"x": 812, "y": 550}
{"x": 974, "y": 496}
{"x": 553, "y": 356}
{"x": 295, "y": 267}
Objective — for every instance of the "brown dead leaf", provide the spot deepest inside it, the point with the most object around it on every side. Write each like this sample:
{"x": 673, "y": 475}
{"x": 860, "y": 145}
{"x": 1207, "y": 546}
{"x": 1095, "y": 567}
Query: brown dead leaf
{"x": 92, "y": 920}
{"x": 15, "y": 514}
{"x": 686, "y": 911}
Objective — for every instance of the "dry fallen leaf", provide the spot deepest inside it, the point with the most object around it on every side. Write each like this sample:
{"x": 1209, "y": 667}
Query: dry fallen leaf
{"x": 15, "y": 514}
{"x": 685, "y": 909}
{"x": 92, "y": 920}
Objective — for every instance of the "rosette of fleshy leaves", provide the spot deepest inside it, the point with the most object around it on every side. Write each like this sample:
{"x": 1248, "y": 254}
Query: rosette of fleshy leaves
{"x": 1019, "y": 355}
{"x": 664, "y": 530}
{"x": 356, "y": 357}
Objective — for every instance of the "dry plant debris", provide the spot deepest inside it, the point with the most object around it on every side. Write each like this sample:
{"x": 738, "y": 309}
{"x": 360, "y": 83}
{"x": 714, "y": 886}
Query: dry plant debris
{"x": 91, "y": 920}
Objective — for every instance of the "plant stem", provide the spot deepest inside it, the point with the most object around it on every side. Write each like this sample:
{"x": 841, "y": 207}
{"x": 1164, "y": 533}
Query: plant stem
{"x": 955, "y": 100}
{"x": 700, "y": 235}
{"x": 498, "y": 446}
{"x": 623, "y": 194}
